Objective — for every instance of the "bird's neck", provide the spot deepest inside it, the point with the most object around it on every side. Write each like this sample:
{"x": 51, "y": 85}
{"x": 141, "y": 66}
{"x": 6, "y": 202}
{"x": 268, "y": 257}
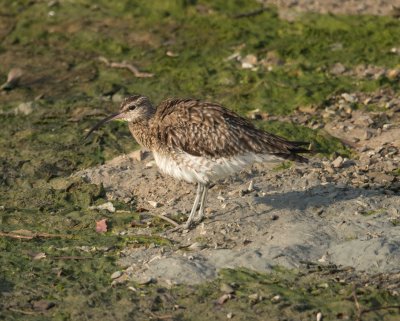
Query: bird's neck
{"x": 141, "y": 131}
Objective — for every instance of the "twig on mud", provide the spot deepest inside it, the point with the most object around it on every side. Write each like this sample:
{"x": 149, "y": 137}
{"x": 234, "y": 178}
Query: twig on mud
{"x": 251, "y": 13}
{"x": 51, "y": 235}
{"x": 177, "y": 228}
{"x": 71, "y": 258}
{"x": 25, "y": 312}
{"x": 354, "y": 295}
{"x": 124, "y": 65}
{"x": 361, "y": 311}
{"x": 32, "y": 236}
{"x": 161, "y": 317}
{"x": 380, "y": 308}
{"x": 16, "y": 236}
{"x": 163, "y": 218}
{"x": 156, "y": 215}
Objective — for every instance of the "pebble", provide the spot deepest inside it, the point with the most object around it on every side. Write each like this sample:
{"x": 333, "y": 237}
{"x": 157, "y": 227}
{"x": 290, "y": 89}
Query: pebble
{"x": 197, "y": 246}
{"x": 224, "y": 298}
{"x": 255, "y": 114}
{"x": 150, "y": 164}
{"x": 323, "y": 285}
{"x": 276, "y": 299}
{"x": 106, "y": 206}
{"x": 367, "y": 135}
{"x": 39, "y": 256}
{"x": 25, "y": 108}
{"x": 330, "y": 170}
{"x": 254, "y": 297}
{"x": 387, "y": 126}
{"x": 338, "y": 162}
{"x": 323, "y": 259}
{"x": 363, "y": 121}
{"x": 138, "y": 155}
{"x": 249, "y": 61}
{"x": 221, "y": 198}
{"x": 381, "y": 178}
{"x": 251, "y": 186}
{"x": 60, "y": 183}
{"x": 393, "y": 73}
{"x": 13, "y": 78}
{"x": 367, "y": 101}
{"x": 338, "y": 69}
{"x": 146, "y": 280}
{"x": 172, "y": 54}
{"x": 349, "y": 98}
{"x": 116, "y": 275}
{"x": 154, "y": 204}
{"x": 274, "y": 217}
{"x": 42, "y": 305}
{"x": 226, "y": 288}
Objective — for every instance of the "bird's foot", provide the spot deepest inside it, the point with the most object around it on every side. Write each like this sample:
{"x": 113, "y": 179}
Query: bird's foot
{"x": 198, "y": 220}
{"x": 182, "y": 227}
{"x": 176, "y": 229}
{"x": 199, "y": 217}
{"x": 190, "y": 224}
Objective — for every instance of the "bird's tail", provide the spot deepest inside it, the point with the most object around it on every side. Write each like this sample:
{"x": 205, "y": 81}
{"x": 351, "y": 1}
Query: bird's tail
{"x": 293, "y": 151}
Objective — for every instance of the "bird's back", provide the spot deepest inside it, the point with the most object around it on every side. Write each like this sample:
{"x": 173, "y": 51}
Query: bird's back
{"x": 210, "y": 130}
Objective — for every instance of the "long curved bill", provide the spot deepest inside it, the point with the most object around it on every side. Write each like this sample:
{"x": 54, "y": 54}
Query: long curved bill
{"x": 102, "y": 122}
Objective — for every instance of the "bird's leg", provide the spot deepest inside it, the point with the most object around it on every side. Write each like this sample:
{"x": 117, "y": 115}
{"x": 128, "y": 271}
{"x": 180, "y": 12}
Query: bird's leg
{"x": 202, "y": 203}
{"x": 195, "y": 204}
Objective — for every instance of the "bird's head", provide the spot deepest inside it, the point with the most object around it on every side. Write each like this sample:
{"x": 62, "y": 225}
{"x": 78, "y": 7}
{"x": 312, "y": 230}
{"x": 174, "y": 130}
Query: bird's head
{"x": 133, "y": 109}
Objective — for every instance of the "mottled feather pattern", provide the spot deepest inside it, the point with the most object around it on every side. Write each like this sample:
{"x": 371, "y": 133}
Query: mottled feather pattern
{"x": 201, "y": 142}
{"x": 210, "y": 130}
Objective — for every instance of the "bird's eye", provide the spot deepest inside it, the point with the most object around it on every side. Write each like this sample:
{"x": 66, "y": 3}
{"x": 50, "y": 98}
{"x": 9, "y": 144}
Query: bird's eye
{"x": 131, "y": 107}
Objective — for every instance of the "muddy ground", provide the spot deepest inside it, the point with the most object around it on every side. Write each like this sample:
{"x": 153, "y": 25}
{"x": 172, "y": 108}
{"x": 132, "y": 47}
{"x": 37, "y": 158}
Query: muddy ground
{"x": 310, "y": 242}
{"x": 353, "y": 7}
{"x": 344, "y": 212}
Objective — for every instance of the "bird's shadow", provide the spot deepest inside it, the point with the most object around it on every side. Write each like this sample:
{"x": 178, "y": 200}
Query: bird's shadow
{"x": 320, "y": 196}
{"x": 316, "y": 196}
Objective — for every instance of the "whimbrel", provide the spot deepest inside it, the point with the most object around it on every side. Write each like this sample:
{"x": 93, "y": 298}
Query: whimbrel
{"x": 200, "y": 142}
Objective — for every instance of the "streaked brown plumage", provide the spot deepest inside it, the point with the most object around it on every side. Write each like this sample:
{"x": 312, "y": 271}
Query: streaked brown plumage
{"x": 200, "y": 141}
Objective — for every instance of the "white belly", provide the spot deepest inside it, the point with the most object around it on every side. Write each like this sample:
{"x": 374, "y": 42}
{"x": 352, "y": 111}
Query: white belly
{"x": 194, "y": 169}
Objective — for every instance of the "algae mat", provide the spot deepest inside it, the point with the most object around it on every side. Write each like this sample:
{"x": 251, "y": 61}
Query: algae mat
{"x": 58, "y": 267}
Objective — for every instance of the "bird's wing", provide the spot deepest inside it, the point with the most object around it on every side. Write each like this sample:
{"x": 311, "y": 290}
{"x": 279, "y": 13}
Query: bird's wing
{"x": 210, "y": 130}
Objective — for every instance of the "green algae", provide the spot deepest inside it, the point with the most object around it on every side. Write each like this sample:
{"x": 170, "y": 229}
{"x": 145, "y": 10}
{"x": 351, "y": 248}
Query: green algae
{"x": 281, "y": 295}
{"x": 59, "y": 53}
{"x": 144, "y": 32}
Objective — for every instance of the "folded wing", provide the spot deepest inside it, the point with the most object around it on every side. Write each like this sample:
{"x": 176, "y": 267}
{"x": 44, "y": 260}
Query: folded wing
{"x": 210, "y": 130}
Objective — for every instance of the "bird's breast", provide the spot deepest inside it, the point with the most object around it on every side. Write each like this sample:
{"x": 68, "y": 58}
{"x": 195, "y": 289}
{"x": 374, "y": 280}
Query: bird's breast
{"x": 199, "y": 169}
{"x": 142, "y": 135}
